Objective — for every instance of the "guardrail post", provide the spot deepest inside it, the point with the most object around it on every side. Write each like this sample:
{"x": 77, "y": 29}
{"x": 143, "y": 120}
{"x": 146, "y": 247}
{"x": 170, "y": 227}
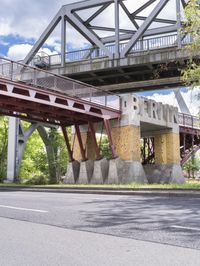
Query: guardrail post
{"x": 55, "y": 82}
{"x": 90, "y": 94}
{"x": 74, "y": 89}
{"x": 34, "y": 77}
{"x": 11, "y": 71}
{"x": 147, "y": 44}
{"x": 106, "y": 100}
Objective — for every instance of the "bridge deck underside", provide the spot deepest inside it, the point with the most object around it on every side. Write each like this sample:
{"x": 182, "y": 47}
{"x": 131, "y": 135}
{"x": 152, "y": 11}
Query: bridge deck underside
{"x": 33, "y": 103}
{"x": 149, "y": 75}
{"x": 153, "y": 70}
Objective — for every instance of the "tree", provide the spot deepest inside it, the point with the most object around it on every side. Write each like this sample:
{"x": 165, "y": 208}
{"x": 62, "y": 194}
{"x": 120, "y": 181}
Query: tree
{"x": 105, "y": 147}
{"x": 3, "y": 146}
{"x": 191, "y": 74}
{"x": 45, "y": 157}
{"x": 191, "y": 166}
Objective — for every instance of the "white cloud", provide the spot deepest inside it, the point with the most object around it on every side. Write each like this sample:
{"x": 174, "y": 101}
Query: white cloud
{"x": 19, "y": 51}
{"x": 191, "y": 99}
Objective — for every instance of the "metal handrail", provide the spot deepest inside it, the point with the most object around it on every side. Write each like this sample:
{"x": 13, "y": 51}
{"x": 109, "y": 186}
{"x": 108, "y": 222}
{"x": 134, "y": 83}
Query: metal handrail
{"x": 187, "y": 120}
{"x": 143, "y": 45}
{"x": 16, "y": 71}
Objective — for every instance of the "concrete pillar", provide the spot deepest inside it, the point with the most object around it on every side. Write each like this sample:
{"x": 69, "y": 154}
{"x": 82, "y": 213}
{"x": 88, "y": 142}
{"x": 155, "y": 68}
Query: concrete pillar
{"x": 167, "y": 148}
{"x": 167, "y": 169}
{"x": 127, "y": 142}
{"x": 12, "y": 148}
{"x": 126, "y": 138}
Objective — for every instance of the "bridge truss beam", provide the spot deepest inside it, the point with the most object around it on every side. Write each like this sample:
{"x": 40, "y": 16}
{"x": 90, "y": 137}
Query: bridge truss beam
{"x": 91, "y": 32}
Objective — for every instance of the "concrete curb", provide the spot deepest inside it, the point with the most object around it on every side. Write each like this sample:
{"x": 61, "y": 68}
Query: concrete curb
{"x": 112, "y": 191}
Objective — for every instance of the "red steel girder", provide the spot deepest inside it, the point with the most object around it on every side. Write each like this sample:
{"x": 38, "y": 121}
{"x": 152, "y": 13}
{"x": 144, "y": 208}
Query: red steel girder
{"x": 46, "y": 98}
{"x": 83, "y": 151}
{"x": 189, "y": 130}
{"x": 67, "y": 143}
{"x": 94, "y": 140}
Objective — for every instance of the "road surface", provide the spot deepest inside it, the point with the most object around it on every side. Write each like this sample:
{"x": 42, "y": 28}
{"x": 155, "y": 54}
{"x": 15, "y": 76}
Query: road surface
{"x": 78, "y": 229}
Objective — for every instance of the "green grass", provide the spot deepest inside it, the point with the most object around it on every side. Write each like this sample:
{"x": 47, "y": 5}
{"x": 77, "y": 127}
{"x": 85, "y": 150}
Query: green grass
{"x": 191, "y": 184}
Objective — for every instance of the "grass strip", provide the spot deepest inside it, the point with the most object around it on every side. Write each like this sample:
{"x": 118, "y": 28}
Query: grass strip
{"x": 190, "y": 184}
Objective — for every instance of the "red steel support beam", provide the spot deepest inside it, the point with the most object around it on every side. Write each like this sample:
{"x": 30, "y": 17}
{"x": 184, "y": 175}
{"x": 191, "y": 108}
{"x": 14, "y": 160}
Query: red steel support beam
{"x": 67, "y": 144}
{"x": 108, "y": 131}
{"x": 78, "y": 133}
{"x": 94, "y": 140}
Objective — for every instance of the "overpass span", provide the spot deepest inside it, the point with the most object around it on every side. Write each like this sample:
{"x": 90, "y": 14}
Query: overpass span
{"x": 145, "y": 53}
{"x": 152, "y": 64}
{"x": 40, "y": 96}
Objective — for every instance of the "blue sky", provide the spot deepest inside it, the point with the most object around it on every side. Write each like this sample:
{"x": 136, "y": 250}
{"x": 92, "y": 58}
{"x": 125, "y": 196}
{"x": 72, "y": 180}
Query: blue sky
{"x": 22, "y": 23}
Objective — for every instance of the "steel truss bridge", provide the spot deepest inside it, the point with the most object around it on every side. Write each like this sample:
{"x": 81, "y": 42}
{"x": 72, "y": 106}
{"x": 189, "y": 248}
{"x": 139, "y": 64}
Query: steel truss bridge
{"x": 144, "y": 54}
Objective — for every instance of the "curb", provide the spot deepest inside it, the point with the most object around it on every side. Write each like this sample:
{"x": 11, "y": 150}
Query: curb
{"x": 123, "y": 192}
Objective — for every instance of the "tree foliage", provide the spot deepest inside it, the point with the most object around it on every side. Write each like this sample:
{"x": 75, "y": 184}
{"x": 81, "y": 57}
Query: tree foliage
{"x": 191, "y": 74}
{"x": 34, "y": 163}
{"x": 45, "y": 159}
{"x": 104, "y": 147}
{"x": 3, "y": 146}
{"x": 192, "y": 166}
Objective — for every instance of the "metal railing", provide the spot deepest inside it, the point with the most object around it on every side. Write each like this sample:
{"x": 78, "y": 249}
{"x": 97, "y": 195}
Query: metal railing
{"x": 142, "y": 45}
{"x": 19, "y": 72}
{"x": 189, "y": 121}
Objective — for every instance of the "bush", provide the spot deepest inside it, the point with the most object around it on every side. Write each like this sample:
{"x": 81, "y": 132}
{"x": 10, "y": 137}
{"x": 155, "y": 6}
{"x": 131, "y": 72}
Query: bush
{"x": 37, "y": 180}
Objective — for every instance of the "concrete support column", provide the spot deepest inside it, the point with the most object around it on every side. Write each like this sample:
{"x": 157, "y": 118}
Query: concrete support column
{"x": 167, "y": 148}
{"x": 127, "y": 168}
{"x": 127, "y": 142}
{"x": 167, "y": 169}
{"x": 12, "y": 148}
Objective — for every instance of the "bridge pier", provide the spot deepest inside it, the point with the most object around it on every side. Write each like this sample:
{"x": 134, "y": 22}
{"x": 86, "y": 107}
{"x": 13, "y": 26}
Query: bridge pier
{"x": 128, "y": 167}
{"x": 167, "y": 148}
{"x": 12, "y": 148}
{"x": 140, "y": 118}
{"x": 167, "y": 169}
{"x": 17, "y": 139}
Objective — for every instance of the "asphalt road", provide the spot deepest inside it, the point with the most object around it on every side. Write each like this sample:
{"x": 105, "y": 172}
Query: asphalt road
{"x": 77, "y": 229}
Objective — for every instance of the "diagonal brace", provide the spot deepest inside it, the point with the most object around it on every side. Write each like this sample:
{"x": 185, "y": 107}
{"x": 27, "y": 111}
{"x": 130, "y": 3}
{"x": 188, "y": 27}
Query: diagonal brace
{"x": 111, "y": 144}
{"x": 144, "y": 26}
{"x": 67, "y": 144}
{"x": 94, "y": 140}
{"x": 83, "y": 152}
{"x": 74, "y": 20}
{"x": 43, "y": 37}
